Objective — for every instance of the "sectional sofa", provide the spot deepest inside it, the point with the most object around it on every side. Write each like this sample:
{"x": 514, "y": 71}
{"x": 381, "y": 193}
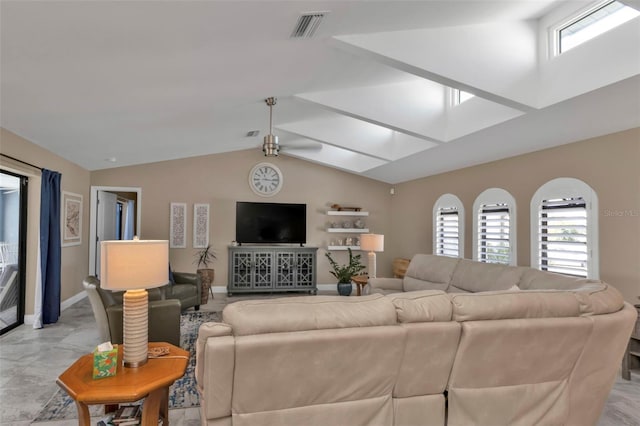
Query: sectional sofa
{"x": 454, "y": 342}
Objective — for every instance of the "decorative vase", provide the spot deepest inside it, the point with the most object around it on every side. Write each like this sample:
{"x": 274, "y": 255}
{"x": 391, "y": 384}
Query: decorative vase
{"x": 206, "y": 279}
{"x": 344, "y": 289}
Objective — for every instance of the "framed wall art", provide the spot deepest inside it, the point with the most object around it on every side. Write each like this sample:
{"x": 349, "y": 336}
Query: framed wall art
{"x": 178, "y": 226}
{"x": 71, "y": 218}
{"x": 200, "y": 225}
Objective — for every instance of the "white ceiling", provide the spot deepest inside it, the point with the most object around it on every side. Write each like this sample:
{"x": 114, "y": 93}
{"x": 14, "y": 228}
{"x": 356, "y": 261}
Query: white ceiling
{"x": 146, "y": 81}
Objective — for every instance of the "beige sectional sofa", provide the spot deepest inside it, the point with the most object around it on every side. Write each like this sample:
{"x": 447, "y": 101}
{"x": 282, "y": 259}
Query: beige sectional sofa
{"x": 455, "y": 342}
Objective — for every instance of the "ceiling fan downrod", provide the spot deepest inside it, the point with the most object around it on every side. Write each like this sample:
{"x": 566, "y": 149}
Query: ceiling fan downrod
{"x": 270, "y": 146}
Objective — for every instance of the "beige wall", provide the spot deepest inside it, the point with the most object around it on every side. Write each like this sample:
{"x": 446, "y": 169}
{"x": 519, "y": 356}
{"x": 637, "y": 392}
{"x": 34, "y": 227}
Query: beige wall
{"x": 75, "y": 179}
{"x": 609, "y": 164}
{"x": 222, "y": 179}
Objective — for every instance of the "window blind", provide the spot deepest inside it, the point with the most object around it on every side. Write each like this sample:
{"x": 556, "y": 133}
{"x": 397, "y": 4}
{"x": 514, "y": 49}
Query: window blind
{"x": 493, "y": 234}
{"x": 448, "y": 230}
{"x": 562, "y": 244}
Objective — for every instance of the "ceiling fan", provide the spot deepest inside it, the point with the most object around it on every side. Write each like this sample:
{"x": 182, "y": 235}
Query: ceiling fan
{"x": 270, "y": 146}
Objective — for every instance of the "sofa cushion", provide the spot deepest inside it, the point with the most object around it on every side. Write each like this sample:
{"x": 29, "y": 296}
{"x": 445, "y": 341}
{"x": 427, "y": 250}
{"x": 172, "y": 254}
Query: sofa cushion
{"x": 428, "y": 272}
{"x": 495, "y": 305}
{"x": 477, "y": 276}
{"x": 308, "y": 313}
{"x": 422, "y": 306}
{"x": 535, "y": 279}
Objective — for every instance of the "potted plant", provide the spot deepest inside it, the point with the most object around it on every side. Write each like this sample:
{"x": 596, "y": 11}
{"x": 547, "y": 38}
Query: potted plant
{"x": 203, "y": 258}
{"x": 344, "y": 273}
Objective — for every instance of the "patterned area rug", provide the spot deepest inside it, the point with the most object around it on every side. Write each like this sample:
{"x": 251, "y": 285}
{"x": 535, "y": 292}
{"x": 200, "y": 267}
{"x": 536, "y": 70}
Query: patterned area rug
{"x": 182, "y": 394}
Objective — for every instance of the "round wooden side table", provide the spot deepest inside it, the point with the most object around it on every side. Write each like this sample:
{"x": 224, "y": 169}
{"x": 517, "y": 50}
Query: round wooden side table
{"x": 360, "y": 281}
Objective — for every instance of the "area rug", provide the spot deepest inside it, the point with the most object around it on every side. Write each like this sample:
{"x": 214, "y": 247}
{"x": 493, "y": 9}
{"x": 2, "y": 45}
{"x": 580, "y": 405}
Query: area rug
{"x": 182, "y": 394}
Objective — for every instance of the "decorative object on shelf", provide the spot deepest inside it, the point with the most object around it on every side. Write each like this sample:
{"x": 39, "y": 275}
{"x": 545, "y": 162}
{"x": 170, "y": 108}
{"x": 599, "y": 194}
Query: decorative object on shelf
{"x": 355, "y": 241}
{"x": 178, "y": 225}
{"x": 200, "y": 225}
{"x": 358, "y": 224}
{"x": 71, "y": 216}
{"x": 348, "y": 241}
{"x": 344, "y": 273}
{"x": 347, "y": 224}
{"x": 203, "y": 258}
{"x": 134, "y": 265}
{"x": 341, "y": 208}
{"x": 265, "y": 179}
{"x": 372, "y": 243}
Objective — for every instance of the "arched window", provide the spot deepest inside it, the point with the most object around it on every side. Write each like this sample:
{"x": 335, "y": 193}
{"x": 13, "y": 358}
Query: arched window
{"x": 448, "y": 226}
{"x": 494, "y": 227}
{"x": 564, "y": 228}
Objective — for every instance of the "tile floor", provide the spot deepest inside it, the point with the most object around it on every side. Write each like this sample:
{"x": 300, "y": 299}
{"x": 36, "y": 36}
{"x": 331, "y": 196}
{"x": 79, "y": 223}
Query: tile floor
{"x": 31, "y": 360}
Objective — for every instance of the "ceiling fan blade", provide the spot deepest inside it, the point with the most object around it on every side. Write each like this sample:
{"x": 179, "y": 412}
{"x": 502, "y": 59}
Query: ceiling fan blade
{"x": 302, "y": 146}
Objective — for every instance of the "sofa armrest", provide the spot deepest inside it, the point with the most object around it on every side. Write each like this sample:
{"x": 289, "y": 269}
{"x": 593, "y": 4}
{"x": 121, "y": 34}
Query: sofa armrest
{"x": 385, "y": 284}
{"x": 188, "y": 278}
{"x": 164, "y": 322}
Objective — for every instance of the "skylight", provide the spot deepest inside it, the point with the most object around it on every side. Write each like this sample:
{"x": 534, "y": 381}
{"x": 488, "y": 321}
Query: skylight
{"x": 595, "y": 21}
{"x": 459, "y": 96}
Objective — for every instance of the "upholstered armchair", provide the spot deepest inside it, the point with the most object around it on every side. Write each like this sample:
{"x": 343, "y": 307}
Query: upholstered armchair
{"x": 164, "y": 315}
{"x": 185, "y": 287}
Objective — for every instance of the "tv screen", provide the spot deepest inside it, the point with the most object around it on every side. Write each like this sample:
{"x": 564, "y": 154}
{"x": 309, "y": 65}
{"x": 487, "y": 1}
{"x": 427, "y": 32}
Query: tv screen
{"x": 274, "y": 223}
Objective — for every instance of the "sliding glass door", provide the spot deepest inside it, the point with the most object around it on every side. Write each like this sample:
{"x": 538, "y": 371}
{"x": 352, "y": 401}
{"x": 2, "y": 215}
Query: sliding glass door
{"x": 13, "y": 215}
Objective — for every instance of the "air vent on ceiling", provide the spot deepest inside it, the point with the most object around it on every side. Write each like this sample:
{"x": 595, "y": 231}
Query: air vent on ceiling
{"x": 252, "y": 133}
{"x": 307, "y": 24}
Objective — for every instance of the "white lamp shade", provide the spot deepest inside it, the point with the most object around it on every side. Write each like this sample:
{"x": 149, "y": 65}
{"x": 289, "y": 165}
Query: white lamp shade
{"x": 134, "y": 264}
{"x": 372, "y": 242}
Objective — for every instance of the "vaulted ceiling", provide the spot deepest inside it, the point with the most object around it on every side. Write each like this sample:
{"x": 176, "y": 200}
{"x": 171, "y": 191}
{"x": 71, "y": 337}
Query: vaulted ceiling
{"x": 113, "y": 83}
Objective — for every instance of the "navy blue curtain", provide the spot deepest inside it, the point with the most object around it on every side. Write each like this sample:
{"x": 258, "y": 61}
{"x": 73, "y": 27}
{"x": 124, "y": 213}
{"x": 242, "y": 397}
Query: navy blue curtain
{"x": 50, "y": 251}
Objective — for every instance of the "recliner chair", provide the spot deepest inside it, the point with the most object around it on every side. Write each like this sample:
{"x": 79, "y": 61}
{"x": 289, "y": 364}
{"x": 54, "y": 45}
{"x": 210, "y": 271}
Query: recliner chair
{"x": 185, "y": 287}
{"x": 164, "y": 314}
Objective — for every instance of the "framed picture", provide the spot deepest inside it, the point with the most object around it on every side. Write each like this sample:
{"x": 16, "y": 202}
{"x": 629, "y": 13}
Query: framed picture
{"x": 200, "y": 225}
{"x": 178, "y": 226}
{"x": 71, "y": 218}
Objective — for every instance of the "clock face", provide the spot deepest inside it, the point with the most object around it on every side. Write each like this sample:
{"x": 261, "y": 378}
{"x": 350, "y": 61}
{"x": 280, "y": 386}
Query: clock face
{"x": 265, "y": 179}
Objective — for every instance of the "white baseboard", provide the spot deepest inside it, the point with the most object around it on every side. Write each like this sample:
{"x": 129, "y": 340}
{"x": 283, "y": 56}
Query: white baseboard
{"x": 28, "y": 319}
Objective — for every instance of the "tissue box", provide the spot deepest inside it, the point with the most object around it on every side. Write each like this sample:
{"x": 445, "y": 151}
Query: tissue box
{"x": 105, "y": 363}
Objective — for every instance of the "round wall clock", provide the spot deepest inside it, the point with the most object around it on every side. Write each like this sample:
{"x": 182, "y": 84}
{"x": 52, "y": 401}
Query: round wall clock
{"x": 265, "y": 179}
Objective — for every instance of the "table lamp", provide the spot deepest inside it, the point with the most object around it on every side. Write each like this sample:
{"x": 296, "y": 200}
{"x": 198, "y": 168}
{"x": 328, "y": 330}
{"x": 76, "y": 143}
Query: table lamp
{"x": 372, "y": 243}
{"x": 134, "y": 266}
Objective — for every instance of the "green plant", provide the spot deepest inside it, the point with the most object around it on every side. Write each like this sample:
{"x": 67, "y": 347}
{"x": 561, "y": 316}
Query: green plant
{"x": 344, "y": 272}
{"x": 205, "y": 256}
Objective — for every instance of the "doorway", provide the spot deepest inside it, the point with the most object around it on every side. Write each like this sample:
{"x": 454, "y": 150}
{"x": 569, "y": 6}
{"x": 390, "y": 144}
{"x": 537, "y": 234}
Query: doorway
{"x": 13, "y": 233}
{"x": 115, "y": 215}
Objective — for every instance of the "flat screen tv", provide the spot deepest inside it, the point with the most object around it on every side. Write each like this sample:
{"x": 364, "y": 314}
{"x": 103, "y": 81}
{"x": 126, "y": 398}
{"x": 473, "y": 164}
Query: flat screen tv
{"x": 271, "y": 223}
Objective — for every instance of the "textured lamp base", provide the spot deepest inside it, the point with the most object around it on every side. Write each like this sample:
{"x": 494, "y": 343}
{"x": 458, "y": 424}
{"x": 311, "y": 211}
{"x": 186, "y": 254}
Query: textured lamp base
{"x": 135, "y": 330}
{"x": 372, "y": 264}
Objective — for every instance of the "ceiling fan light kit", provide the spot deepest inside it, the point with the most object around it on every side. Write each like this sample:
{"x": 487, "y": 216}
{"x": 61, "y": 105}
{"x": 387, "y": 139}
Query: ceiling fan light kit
{"x": 270, "y": 147}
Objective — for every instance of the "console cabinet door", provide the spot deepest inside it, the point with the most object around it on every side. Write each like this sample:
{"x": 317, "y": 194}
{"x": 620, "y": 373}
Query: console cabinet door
{"x": 240, "y": 270}
{"x": 286, "y": 270}
{"x": 263, "y": 276}
{"x": 305, "y": 270}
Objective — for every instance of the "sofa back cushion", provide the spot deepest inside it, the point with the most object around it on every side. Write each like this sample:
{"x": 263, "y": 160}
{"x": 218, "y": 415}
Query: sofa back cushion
{"x": 422, "y": 306}
{"x": 471, "y": 276}
{"x": 495, "y": 305}
{"x": 308, "y": 313}
{"x": 317, "y": 377}
{"x": 429, "y": 272}
{"x": 516, "y": 371}
{"x": 536, "y": 279}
